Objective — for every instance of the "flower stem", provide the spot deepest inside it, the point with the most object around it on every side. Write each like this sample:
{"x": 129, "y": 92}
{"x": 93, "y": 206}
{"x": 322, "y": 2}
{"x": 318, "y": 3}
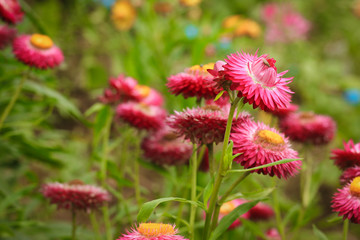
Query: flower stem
{"x": 13, "y": 99}
{"x": 306, "y": 178}
{"x": 73, "y": 217}
{"x": 95, "y": 225}
{"x": 345, "y": 229}
{"x": 137, "y": 182}
{"x": 220, "y": 174}
{"x": 277, "y": 211}
{"x": 223, "y": 199}
{"x": 105, "y": 210}
{"x": 210, "y": 147}
{"x": 193, "y": 191}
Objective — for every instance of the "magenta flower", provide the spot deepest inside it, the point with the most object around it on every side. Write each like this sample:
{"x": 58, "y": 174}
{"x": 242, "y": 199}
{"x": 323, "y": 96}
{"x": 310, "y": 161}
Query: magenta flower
{"x": 152, "y": 231}
{"x": 228, "y": 207}
{"x": 259, "y": 144}
{"x": 349, "y": 174}
{"x": 164, "y": 147}
{"x": 37, "y": 51}
{"x": 272, "y": 234}
{"x": 7, "y": 34}
{"x": 10, "y": 11}
{"x": 308, "y": 127}
{"x": 347, "y": 157}
{"x": 347, "y": 201}
{"x": 258, "y": 81}
{"x": 75, "y": 195}
{"x": 283, "y": 112}
{"x": 141, "y": 116}
{"x": 261, "y": 211}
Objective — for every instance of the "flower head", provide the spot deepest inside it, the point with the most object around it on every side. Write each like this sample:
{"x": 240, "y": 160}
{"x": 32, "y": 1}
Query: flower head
{"x": 152, "y": 231}
{"x": 38, "y": 51}
{"x": 141, "y": 116}
{"x": 283, "y": 112}
{"x": 228, "y": 207}
{"x": 190, "y": 3}
{"x": 272, "y": 234}
{"x": 164, "y": 147}
{"x": 75, "y": 195}
{"x": 257, "y": 80}
{"x": 349, "y": 174}
{"x": 347, "y": 201}
{"x": 259, "y": 144}
{"x": 261, "y": 211}
{"x": 203, "y": 125}
{"x": 123, "y": 14}
{"x": 10, "y": 11}
{"x": 347, "y": 157}
{"x": 7, "y": 34}
{"x": 194, "y": 82}
{"x": 308, "y": 127}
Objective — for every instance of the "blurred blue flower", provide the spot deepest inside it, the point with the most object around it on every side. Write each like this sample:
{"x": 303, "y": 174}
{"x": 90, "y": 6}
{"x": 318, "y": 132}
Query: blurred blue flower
{"x": 224, "y": 44}
{"x": 107, "y": 3}
{"x": 352, "y": 96}
{"x": 191, "y": 31}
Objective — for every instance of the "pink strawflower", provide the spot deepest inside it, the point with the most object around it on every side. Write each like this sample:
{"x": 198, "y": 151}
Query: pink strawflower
{"x": 193, "y": 82}
{"x": 284, "y": 24}
{"x": 272, "y": 234}
{"x": 141, "y": 116}
{"x": 75, "y": 195}
{"x": 259, "y": 144}
{"x": 283, "y": 112}
{"x": 152, "y": 231}
{"x": 308, "y": 127}
{"x": 347, "y": 157}
{"x": 347, "y": 201}
{"x": 123, "y": 89}
{"x": 222, "y": 82}
{"x": 223, "y": 101}
{"x": 261, "y": 211}
{"x": 258, "y": 81}
{"x": 349, "y": 174}
{"x": 228, "y": 207}
{"x": 203, "y": 125}
{"x": 37, "y": 51}
{"x": 164, "y": 147}
{"x": 10, "y": 11}
{"x": 7, "y": 34}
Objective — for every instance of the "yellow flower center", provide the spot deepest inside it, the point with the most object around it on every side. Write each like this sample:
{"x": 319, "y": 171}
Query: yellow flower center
{"x": 355, "y": 187}
{"x": 270, "y": 137}
{"x": 227, "y": 207}
{"x": 155, "y": 229}
{"x": 190, "y": 3}
{"x": 143, "y": 90}
{"x": 211, "y": 108}
{"x": 76, "y": 182}
{"x": 202, "y": 69}
{"x": 41, "y": 41}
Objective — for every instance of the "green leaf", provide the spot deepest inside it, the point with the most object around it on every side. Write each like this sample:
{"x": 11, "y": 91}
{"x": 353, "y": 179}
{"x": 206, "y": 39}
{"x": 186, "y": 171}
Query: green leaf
{"x": 319, "y": 234}
{"x": 102, "y": 121}
{"x": 208, "y": 191}
{"x": 265, "y": 165}
{"x": 93, "y": 109}
{"x": 256, "y": 195}
{"x": 253, "y": 227}
{"x": 219, "y": 95}
{"x": 148, "y": 208}
{"x": 64, "y": 105}
{"x": 230, "y": 218}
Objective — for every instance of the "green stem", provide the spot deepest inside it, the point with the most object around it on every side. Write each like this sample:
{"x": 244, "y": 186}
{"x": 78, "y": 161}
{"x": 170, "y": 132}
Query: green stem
{"x": 105, "y": 210}
{"x": 210, "y": 147}
{"x": 95, "y": 226}
{"x": 345, "y": 229}
{"x": 73, "y": 217}
{"x": 137, "y": 182}
{"x": 193, "y": 191}
{"x": 223, "y": 199}
{"x": 220, "y": 174}
{"x": 278, "y": 214}
{"x": 13, "y": 99}
{"x": 184, "y": 195}
{"x": 307, "y": 178}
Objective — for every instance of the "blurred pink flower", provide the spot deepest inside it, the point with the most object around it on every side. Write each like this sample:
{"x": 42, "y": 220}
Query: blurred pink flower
{"x": 347, "y": 157}
{"x": 10, "y": 11}
{"x": 7, "y": 34}
{"x": 349, "y": 174}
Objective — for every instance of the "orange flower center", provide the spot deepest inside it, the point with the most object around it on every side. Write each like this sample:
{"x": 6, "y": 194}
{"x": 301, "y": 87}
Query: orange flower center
{"x": 211, "y": 108}
{"x": 143, "y": 90}
{"x": 41, "y": 41}
{"x": 307, "y": 116}
{"x": 76, "y": 182}
{"x": 355, "y": 187}
{"x": 227, "y": 207}
{"x": 201, "y": 69}
{"x": 155, "y": 229}
{"x": 270, "y": 137}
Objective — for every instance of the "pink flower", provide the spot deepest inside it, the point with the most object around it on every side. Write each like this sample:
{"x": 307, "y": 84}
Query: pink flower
{"x": 203, "y": 125}
{"x": 259, "y": 144}
{"x": 347, "y": 201}
{"x": 194, "y": 82}
{"x": 284, "y": 24}
{"x": 228, "y": 207}
{"x": 152, "y": 231}
{"x": 261, "y": 211}
{"x": 272, "y": 234}
{"x": 37, "y": 51}
{"x": 349, "y": 174}
{"x": 257, "y": 80}
{"x": 75, "y": 195}
{"x": 348, "y": 157}
{"x": 10, "y": 11}
{"x": 7, "y": 34}
{"x": 283, "y": 112}
{"x": 164, "y": 147}
{"x": 308, "y": 127}
{"x": 141, "y": 116}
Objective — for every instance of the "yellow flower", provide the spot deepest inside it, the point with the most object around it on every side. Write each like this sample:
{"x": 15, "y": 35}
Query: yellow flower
{"x": 190, "y": 3}
{"x": 123, "y": 14}
{"x": 249, "y": 28}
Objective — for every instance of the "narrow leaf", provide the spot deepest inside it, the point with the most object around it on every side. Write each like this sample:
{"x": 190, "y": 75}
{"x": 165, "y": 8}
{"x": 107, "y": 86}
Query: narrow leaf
{"x": 219, "y": 95}
{"x": 208, "y": 191}
{"x": 319, "y": 234}
{"x": 253, "y": 227}
{"x": 253, "y": 196}
{"x": 265, "y": 165}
